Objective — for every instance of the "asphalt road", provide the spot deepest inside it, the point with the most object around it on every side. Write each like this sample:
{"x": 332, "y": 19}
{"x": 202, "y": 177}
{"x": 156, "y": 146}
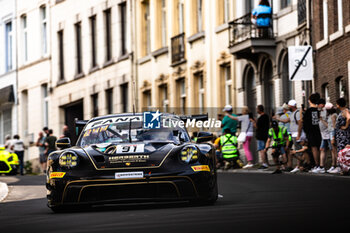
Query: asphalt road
{"x": 250, "y": 202}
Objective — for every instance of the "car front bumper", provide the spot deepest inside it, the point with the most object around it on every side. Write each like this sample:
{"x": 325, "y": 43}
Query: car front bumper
{"x": 104, "y": 188}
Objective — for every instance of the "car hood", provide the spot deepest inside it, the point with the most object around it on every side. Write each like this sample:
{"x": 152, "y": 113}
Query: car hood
{"x": 153, "y": 155}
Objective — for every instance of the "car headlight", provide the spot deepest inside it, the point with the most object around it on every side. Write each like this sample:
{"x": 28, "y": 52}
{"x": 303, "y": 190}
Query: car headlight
{"x": 68, "y": 159}
{"x": 189, "y": 154}
{"x": 10, "y": 159}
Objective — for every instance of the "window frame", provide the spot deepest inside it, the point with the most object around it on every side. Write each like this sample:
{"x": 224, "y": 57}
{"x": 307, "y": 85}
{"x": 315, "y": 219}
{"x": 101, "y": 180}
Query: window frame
{"x": 43, "y": 18}
{"x": 78, "y": 46}
{"x": 108, "y": 34}
{"x": 93, "y": 40}
{"x": 123, "y": 28}
{"x": 228, "y": 84}
{"x": 9, "y": 45}
{"x": 60, "y": 35}
{"x": 24, "y": 39}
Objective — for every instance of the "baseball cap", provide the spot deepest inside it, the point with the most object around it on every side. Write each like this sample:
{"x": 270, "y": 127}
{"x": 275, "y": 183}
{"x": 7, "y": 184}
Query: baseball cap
{"x": 227, "y": 108}
{"x": 292, "y": 103}
{"x": 328, "y": 106}
{"x": 285, "y": 106}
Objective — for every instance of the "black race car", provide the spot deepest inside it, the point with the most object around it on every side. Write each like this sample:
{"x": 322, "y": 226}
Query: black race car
{"x": 117, "y": 159}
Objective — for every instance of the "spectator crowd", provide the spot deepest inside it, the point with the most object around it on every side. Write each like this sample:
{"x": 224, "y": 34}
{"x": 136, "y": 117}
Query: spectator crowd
{"x": 298, "y": 139}
{"x": 46, "y": 143}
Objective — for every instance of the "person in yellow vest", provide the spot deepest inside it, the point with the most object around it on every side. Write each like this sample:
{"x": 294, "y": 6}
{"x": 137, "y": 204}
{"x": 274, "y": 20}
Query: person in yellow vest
{"x": 279, "y": 137}
{"x": 283, "y": 118}
{"x": 229, "y": 149}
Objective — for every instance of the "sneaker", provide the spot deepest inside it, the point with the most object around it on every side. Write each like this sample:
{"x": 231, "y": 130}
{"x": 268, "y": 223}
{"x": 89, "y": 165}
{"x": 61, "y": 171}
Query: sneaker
{"x": 227, "y": 165}
{"x": 240, "y": 163}
{"x": 313, "y": 170}
{"x": 331, "y": 169}
{"x": 277, "y": 171}
{"x": 263, "y": 166}
{"x": 248, "y": 166}
{"x": 335, "y": 170}
{"x": 296, "y": 169}
{"x": 321, "y": 170}
{"x": 318, "y": 170}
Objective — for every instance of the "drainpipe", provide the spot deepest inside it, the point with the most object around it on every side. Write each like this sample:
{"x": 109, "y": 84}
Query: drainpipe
{"x": 16, "y": 72}
{"x": 134, "y": 71}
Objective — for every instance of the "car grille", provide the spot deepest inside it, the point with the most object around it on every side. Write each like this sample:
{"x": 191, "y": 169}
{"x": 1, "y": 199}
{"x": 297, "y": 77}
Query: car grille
{"x": 99, "y": 193}
{"x": 3, "y": 166}
{"x": 158, "y": 189}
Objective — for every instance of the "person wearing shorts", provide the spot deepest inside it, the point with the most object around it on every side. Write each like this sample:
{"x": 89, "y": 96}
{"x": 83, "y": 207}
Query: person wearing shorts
{"x": 311, "y": 128}
{"x": 262, "y": 128}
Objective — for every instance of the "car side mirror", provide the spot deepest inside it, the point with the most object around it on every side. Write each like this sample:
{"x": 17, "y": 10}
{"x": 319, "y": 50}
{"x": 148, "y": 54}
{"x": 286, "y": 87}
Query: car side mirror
{"x": 204, "y": 137}
{"x": 63, "y": 143}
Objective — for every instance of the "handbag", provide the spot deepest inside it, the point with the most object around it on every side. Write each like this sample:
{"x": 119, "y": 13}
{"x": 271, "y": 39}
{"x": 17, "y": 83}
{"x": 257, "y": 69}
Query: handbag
{"x": 242, "y": 135}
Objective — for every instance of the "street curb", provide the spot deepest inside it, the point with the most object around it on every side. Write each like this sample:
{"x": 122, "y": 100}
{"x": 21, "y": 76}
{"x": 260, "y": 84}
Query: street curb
{"x": 3, "y": 191}
{"x": 252, "y": 171}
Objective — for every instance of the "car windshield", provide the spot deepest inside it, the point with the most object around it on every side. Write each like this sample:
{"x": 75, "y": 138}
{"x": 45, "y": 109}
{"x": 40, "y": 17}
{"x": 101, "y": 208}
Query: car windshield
{"x": 130, "y": 131}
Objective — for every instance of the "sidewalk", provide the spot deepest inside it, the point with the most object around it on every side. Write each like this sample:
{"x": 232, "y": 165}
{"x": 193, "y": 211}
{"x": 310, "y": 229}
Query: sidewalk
{"x": 3, "y": 191}
{"x": 270, "y": 169}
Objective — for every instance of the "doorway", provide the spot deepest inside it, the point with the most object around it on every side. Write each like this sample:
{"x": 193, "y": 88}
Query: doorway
{"x": 251, "y": 103}
{"x": 268, "y": 87}
{"x": 71, "y": 112}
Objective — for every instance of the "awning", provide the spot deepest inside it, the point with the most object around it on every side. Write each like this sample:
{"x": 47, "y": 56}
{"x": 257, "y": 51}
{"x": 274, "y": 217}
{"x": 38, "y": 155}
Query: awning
{"x": 7, "y": 95}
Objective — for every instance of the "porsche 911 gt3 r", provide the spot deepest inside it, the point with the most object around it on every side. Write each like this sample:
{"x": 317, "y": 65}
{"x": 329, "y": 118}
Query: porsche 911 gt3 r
{"x": 117, "y": 159}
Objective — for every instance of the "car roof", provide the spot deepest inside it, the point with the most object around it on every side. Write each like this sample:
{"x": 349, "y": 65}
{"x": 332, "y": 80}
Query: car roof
{"x": 128, "y": 115}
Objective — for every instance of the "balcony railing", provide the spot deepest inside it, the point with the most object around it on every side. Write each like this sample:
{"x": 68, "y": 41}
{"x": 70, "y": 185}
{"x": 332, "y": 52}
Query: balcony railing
{"x": 178, "y": 49}
{"x": 243, "y": 28}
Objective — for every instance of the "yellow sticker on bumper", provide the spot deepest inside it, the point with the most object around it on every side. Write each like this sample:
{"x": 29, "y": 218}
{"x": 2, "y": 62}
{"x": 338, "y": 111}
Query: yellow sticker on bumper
{"x": 57, "y": 174}
{"x": 201, "y": 168}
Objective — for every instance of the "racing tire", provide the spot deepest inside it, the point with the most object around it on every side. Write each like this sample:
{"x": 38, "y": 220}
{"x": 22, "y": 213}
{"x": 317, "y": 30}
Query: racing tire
{"x": 13, "y": 172}
{"x": 69, "y": 209}
{"x": 60, "y": 209}
{"x": 213, "y": 196}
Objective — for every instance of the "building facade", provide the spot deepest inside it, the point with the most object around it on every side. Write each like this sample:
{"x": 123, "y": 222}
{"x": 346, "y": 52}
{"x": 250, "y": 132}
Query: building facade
{"x": 34, "y": 70}
{"x": 262, "y": 59}
{"x": 183, "y": 63}
{"x": 331, "y": 40}
{"x": 8, "y": 69}
{"x": 92, "y": 60}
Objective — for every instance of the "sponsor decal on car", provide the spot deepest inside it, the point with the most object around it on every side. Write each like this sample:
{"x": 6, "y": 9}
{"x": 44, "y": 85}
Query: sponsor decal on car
{"x": 129, "y": 159}
{"x": 136, "y": 148}
{"x": 201, "y": 168}
{"x": 126, "y": 175}
{"x": 57, "y": 174}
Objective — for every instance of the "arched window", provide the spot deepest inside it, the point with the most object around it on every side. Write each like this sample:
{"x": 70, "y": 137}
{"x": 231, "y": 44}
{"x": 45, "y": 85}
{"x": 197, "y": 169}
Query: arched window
{"x": 250, "y": 88}
{"x": 268, "y": 86}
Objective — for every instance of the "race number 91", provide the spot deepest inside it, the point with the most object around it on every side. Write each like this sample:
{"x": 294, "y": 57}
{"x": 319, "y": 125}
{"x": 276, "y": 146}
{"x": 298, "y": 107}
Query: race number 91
{"x": 134, "y": 148}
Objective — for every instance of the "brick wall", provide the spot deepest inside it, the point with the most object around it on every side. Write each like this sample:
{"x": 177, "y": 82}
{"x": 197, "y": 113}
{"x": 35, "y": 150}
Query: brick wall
{"x": 331, "y": 60}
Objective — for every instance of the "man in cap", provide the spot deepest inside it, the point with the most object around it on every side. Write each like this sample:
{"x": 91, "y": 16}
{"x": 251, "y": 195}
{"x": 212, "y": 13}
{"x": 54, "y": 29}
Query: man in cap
{"x": 279, "y": 136}
{"x": 227, "y": 122}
